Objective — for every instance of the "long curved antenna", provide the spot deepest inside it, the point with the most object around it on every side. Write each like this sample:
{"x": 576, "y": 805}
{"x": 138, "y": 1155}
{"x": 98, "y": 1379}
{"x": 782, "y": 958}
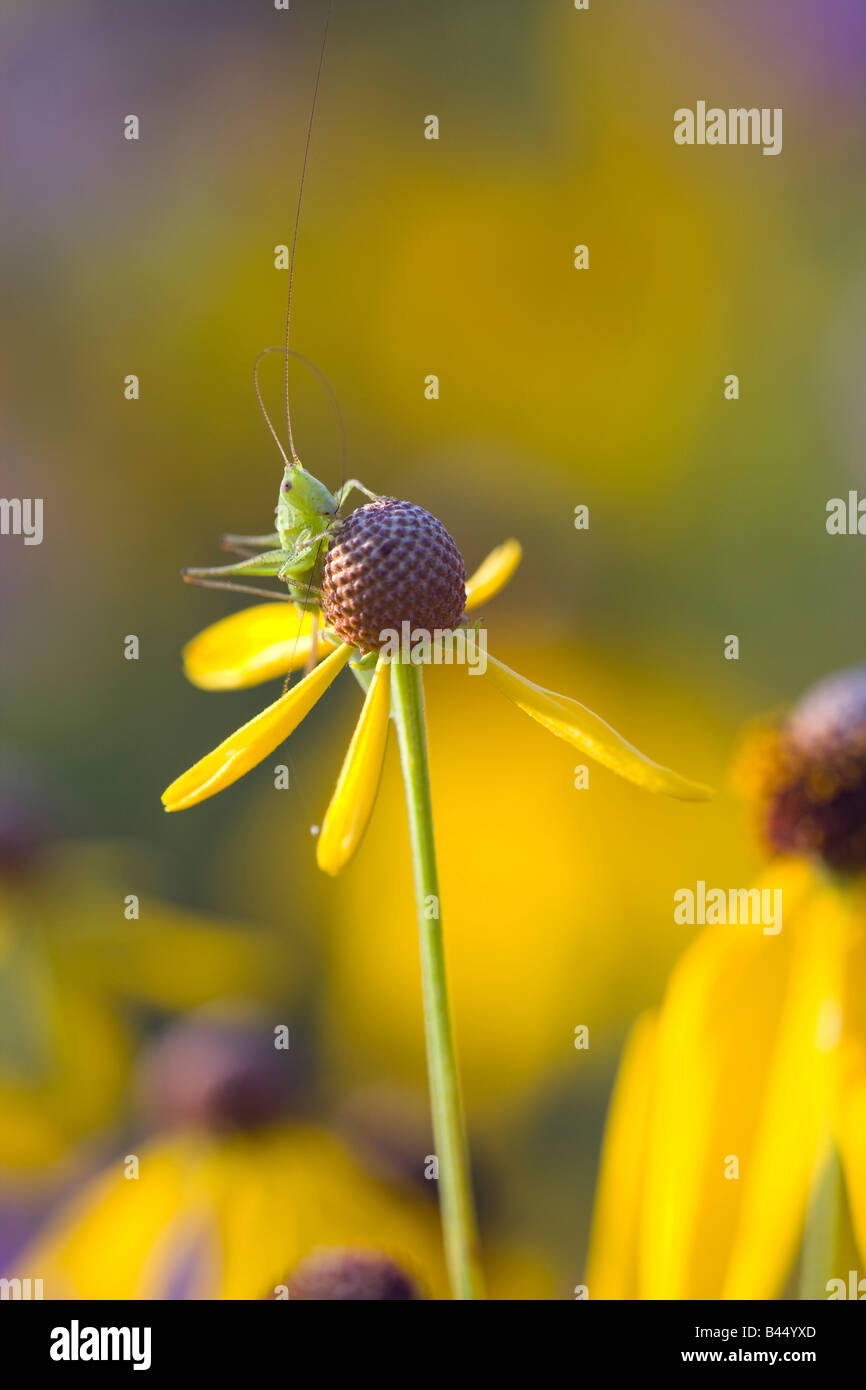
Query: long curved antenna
{"x": 298, "y": 222}
{"x": 328, "y": 389}
{"x": 262, "y": 405}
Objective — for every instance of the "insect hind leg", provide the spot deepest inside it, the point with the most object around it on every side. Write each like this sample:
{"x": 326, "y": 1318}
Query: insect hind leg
{"x": 234, "y": 588}
{"x": 354, "y": 485}
{"x": 248, "y": 545}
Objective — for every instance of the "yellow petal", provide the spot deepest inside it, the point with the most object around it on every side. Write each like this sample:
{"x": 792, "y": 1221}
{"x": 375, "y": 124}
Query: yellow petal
{"x": 246, "y": 747}
{"x": 740, "y": 1105}
{"x": 254, "y": 645}
{"x": 851, "y": 1131}
{"x": 493, "y": 573}
{"x": 612, "y": 1270}
{"x": 793, "y": 1135}
{"x": 852, "y": 1145}
{"x": 584, "y": 730}
{"x": 346, "y": 817}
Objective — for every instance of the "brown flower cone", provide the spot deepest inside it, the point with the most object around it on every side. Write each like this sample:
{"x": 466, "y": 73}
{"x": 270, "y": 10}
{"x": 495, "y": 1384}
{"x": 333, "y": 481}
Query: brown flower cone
{"x": 391, "y": 562}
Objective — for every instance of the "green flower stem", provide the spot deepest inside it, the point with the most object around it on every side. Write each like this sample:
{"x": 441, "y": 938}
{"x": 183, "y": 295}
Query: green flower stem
{"x": 449, "y": 1132}
{"x": 821, "y": 1241}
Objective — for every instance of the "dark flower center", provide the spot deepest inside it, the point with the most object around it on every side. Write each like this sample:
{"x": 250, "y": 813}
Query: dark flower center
{"x": 389, "y": 563}
{"x": 216, "y": 1075}
{"x": 813, "y": 784}
{"x": 350, "y": 1276}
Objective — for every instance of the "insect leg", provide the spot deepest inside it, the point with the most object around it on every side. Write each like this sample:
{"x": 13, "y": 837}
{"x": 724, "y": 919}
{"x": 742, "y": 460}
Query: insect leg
{"x": 236, "y": 588}
{"x": 353, "y": 485}
{"x": 314, "y": 646}
{"x": 239, "y": 543}
{"x": 236, "y": 550}
{"x": 298, "y": 562}
{"x": 269, "y": 563}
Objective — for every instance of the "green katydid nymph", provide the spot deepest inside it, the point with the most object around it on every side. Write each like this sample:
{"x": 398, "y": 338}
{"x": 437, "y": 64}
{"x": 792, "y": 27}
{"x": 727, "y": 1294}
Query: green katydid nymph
{"x": 306, "y": 517}
{"x": 353, "y": 583}
{"x": 396, "y": 562}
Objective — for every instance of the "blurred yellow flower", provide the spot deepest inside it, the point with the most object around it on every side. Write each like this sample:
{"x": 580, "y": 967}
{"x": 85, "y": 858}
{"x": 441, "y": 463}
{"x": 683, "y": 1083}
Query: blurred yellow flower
{"x": 745, "y": 1066}
{"x": 229, "y": 1217}
{"x": 69, "y": 963}
{"x": 729, "y": 1103}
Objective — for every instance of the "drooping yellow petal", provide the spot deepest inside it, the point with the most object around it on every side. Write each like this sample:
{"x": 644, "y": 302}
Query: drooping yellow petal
{"x": 246, "y": 747}
{"x": 612, "y": 1268}
{"x": 852, "y": 1145}
{"x": 793, "y": 1135}
{"x": 584, "y": 730}
{"x": 346, "y": 817}
{"x": 254, "y": 645}
{"x": 493, "y": 573}
{"x": 740, "y": 1104}
{"x": 851, "y": 1122}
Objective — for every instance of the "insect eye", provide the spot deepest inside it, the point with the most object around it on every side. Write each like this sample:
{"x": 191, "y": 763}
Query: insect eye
{"x": 287, "y": 487}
